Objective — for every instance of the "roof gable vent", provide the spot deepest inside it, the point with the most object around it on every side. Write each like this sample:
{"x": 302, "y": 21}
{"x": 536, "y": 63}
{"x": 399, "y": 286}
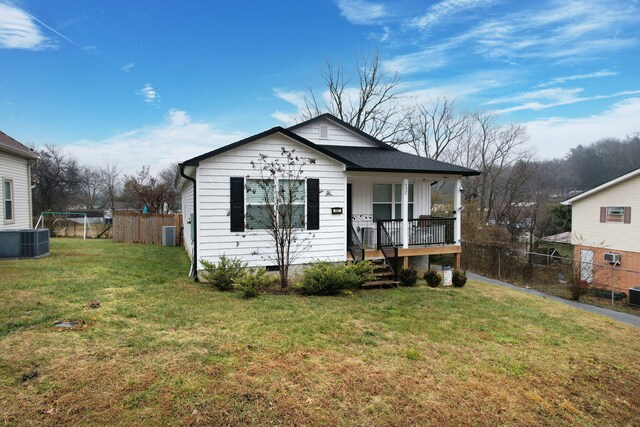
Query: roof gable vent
{"x": 324, "y": 131}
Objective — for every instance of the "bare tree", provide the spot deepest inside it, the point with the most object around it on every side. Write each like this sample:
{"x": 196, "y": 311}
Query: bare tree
{"x": 430, "y": 129}
{"x": 497, "y": 148}
{"x": 57, "y": 178}
{"x": 89, "y": 194}
{"x": 277, "y": 206}
{"x": 371, "y": 104}
{"x": 167, "y": 177}
{"x": 143, "y": 189}
{"x": 111, "y": 184}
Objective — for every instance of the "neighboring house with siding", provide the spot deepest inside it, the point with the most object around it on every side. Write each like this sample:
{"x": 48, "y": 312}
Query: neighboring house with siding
{"x": 361, "y": 198}
{"x": 606, "y": 220}
{"x": 15, "y": 174}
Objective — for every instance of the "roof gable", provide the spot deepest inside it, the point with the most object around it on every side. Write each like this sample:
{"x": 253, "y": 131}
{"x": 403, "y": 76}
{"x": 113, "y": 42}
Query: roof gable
{"x": 602, "y": 187}
{"x": 195, "y": 161}
{"x": 305, "y": 129}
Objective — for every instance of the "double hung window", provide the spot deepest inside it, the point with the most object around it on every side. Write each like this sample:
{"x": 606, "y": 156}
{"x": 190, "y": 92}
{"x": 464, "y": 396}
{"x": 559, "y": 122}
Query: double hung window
{"x": 264, "y": 195}
{"x": 387, "y": 201}
{"x": 7, "y": 195}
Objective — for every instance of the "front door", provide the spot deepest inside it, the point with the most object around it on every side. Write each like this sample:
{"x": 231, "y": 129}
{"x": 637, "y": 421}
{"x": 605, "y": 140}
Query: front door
{"x": 586, "y": 265}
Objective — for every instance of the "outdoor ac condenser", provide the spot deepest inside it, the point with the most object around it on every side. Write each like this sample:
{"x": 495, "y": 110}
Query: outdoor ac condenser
{"x": 169, "y": 235}
{"x": 612, "y": 258}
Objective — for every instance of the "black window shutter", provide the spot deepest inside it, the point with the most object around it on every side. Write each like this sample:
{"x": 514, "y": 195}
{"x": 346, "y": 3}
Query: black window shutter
{"x": 237, "y": 204}
{"x": 313, "y": 204}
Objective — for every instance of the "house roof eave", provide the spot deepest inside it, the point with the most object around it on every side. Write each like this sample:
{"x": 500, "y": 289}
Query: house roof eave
{"x": 420, "y": 171}
{"x": 601, "y": 187}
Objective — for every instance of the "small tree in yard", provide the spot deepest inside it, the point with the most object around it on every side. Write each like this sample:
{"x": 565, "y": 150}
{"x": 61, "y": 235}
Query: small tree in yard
{"x": 276, "y": 204}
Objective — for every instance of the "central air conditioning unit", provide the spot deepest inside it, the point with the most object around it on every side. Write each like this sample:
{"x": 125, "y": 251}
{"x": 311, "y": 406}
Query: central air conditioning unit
{"x": 612, "y": 258}
{"x": 33, "y": 243}
{"x": 169, "y": 235}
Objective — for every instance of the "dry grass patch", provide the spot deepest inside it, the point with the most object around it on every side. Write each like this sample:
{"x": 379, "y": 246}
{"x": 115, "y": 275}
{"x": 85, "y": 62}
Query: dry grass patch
{"x": 160, "y": 349}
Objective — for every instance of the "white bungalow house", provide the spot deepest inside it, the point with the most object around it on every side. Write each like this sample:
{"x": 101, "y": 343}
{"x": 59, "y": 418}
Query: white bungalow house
{"x": 15, "y": 174}
{"x": 362, "y": 198}
{"x": 605, "y": 232}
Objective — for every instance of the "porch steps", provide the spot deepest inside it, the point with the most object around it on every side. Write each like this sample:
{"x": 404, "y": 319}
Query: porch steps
{"x": 383, "y": 275}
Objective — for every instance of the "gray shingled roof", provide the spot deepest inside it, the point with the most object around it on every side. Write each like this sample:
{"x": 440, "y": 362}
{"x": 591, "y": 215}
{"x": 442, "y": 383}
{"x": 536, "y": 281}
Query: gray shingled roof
{"x": 11, "y": 145}
{"x": 379, "y": 159}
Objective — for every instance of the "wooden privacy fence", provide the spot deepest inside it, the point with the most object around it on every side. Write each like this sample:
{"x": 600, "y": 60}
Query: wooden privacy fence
{"x": 136, "y": 227}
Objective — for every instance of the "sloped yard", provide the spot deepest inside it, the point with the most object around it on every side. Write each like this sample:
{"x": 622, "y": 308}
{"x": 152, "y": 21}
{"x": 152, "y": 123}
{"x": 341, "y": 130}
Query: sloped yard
{"x": 159, "y": 349}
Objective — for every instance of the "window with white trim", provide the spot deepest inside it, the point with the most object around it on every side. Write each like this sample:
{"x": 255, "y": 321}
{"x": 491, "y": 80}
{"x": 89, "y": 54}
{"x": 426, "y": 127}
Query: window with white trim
{"x": 261, "y": 201}
{"x": 7, "y": 195}
{"x": 387, "y": 201}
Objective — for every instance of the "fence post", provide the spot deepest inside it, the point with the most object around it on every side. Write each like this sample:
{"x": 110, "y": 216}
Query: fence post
{"x": 612, "y": 288}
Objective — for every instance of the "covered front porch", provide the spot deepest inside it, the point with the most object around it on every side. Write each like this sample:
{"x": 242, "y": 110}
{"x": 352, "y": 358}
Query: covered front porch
{"x": 392, "y": 215}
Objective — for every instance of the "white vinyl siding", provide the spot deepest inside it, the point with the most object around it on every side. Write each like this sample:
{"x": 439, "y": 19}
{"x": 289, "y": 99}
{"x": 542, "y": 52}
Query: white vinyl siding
{"x": 335, "y": 135}
{"x": 187, "y": 210}
{"x": 256, "y": 246}
{"x": 587, "y": 230}
{"x": 16, "y": 170}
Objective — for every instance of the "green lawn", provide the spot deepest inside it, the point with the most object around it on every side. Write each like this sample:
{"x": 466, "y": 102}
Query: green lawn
{"x": 161, "y": 349}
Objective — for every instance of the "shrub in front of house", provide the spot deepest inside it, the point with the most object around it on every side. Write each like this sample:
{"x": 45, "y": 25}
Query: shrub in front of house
{"x": 408, "y": 276}
{"x": 222, "y": 274}
{"x": 459, "y": 278}
{"x": 433, "y": 278}
{"x": 327, "y": 278}
{"x": 252, "y": 282}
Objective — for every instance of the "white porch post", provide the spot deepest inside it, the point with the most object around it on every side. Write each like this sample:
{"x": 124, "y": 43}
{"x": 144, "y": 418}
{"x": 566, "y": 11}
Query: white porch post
{"x": 457, "y": 208}
{"x": 405, "y": 213}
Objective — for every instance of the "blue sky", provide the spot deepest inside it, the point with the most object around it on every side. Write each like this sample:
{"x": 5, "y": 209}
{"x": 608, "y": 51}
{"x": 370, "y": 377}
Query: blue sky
{"x": 150, "y": 82}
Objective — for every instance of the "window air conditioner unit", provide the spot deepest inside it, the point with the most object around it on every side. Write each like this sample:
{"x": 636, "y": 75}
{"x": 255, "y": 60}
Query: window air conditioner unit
{"x": 612, "y": 258}
{"x": 169, "y": 235}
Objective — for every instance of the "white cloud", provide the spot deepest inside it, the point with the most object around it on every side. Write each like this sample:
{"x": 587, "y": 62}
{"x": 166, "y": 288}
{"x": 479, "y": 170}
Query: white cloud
{"x": 560, "y": 80}
{"x": 562, "y": 30}
{"x": 553, "y": 137}
{"x": 177, "y": 139}
{"x": 554, "y": 94}
{"x": 149, "y": 94}
{"x": 446, "y": 8}
{"x": 127, "y": 67}
{"x": 18, "y": 30}
{"x": 424, "y": 60}
{"x": 565, "y": 97}
{"x": 295, "y": 98}
{"x": 362, "y": 12}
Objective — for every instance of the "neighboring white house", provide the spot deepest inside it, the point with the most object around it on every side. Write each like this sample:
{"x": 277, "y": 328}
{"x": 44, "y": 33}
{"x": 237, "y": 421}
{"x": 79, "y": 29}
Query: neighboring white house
{"x": 15, "y": 174}
{"x": 361, "y": 196}
{"x": 605, "y": 231}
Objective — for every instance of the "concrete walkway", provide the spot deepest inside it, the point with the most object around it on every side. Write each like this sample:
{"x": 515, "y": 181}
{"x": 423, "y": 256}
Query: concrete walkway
{"x": 611, "y": 314}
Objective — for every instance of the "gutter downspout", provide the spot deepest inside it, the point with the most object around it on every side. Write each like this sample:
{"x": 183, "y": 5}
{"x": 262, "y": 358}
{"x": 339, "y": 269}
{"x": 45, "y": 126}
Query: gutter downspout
{"x": 194, "y": 238}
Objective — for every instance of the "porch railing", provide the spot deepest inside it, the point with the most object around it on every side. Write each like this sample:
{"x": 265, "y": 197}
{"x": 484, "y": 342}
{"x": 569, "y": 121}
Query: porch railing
{"x": 389, "y": 249}
{"x": 355, "y": 245}
{"x": 423, "y": 231}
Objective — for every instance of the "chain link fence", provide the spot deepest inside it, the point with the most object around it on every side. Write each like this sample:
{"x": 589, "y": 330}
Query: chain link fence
{"x": 600, "y": 284}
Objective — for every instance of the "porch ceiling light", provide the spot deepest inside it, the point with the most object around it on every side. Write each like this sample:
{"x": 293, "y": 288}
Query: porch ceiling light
{"x": 336, "y": 211}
